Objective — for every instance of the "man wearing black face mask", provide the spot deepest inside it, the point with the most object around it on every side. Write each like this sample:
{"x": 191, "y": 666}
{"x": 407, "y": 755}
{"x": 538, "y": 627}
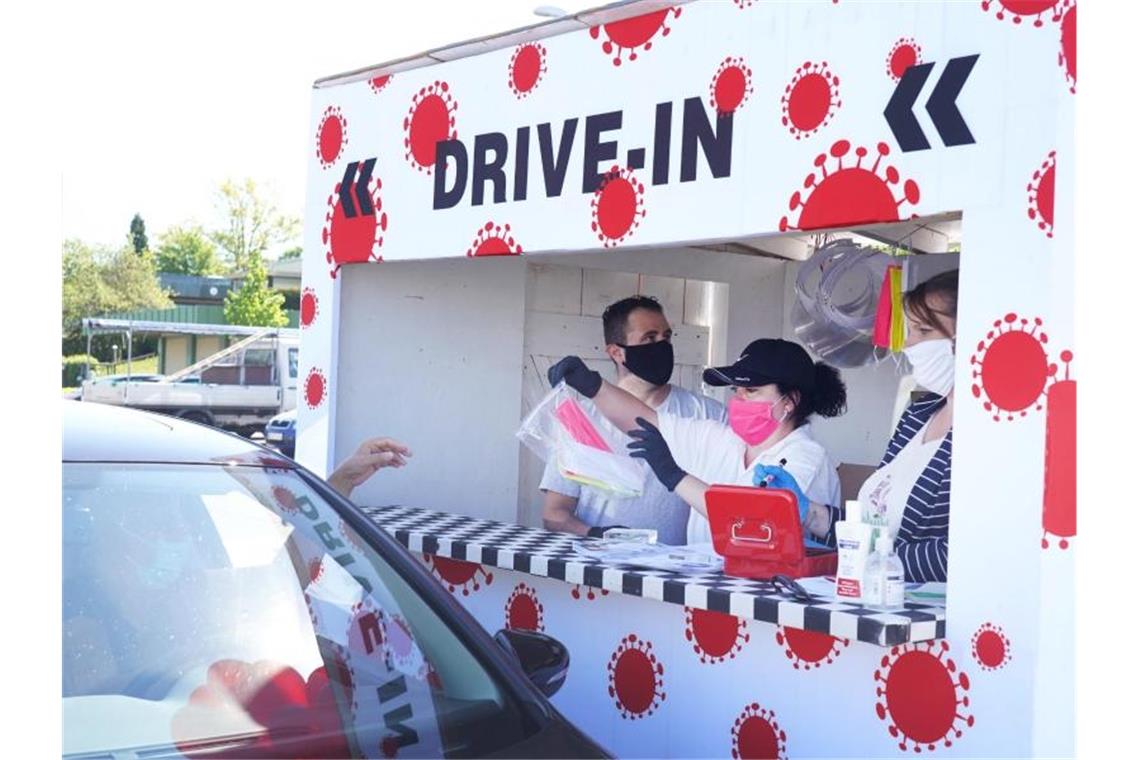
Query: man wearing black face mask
{"x": 639, "y": 341}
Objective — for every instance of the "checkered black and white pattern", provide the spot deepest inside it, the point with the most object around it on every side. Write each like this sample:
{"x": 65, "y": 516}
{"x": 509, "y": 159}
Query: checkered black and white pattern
{"x": 549, "y": 554}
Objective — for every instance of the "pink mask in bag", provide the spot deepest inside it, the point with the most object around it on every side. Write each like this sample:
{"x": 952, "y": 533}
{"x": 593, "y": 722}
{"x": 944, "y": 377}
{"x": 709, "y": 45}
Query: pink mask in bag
{"x": 752, "y": 420}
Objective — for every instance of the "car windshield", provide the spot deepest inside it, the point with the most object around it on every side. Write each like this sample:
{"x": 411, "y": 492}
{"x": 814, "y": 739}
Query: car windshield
{"x": 230, "y": 609}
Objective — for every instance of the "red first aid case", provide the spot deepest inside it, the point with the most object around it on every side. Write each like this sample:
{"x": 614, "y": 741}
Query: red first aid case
{"x": 758, "y": 532}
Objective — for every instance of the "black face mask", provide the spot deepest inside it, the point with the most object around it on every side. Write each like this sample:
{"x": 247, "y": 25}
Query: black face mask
{"x": 652, "y": 362}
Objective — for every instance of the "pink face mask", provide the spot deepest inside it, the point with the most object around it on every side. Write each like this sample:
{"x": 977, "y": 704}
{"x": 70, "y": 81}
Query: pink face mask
{"x": 752, "y": 420}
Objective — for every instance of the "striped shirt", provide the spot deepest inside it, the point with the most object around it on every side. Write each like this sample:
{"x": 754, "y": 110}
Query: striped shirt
{"x": 922, "y": 542}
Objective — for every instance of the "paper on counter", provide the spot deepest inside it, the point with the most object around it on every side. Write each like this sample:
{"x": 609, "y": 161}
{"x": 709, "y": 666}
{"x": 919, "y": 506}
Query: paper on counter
{"x": 677, "y": 559}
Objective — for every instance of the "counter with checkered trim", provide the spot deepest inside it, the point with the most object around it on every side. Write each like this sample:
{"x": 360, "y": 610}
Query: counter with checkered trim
{"x": 549, "y": 554}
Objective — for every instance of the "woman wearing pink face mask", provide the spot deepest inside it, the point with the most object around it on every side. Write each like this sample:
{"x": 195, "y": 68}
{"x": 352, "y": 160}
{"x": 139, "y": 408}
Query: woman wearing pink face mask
{"x": 777, "y": 389}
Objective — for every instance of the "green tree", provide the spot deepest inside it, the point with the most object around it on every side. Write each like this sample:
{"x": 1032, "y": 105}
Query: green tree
{"x": 254, "y": 303}
{"x": 99, "y": 281}
{"x": 138, "y": 234}
{"x": 292, "y": 253}
{"x": 251, "y": 224}
{"x": 187, "y": 250}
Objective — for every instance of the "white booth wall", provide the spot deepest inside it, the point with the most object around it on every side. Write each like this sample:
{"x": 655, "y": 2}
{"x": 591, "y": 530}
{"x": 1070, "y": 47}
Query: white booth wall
{"x": 449, "y": 355}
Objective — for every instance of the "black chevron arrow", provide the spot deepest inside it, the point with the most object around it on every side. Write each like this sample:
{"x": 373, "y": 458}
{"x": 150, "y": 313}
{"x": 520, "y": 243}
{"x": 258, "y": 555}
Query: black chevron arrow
{"x": 900, "y": 109}
{"x": 941, "y": 107}
{"x": 363, "y": 195}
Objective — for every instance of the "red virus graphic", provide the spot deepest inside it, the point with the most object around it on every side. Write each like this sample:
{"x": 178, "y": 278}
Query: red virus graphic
{"x": 636, "y": 678}
{"x": 310, "y": 307}
{"x": 849, "y": 194}
{"x": 922, "y": 694}
{"x": 406, "y": 656}
{"x": 430, "y": 120}
{"x": 356, "y": 239}
{"x": 379, "y": 83}
{"x": 810, "y": 99}
{"x": 715, "y": 636}
{"x": 523, "y": 610}
{"x": 1067, "y": 58}
{"x": 285, "y": 499}
{"x": 1020, "y": 10}
{"x": 366, "y": 635}
{"x": 627, "y": 36}
{"x": 332, "y": 136}
{"x": 730, "y": 86}
{"x": 809, "y": 649}
{"x": 905, "y": 53}
{"x": 756, "y": 734}
{"x": 1041, "y": 191}
{"x": 590, "y": 595}
{"x": 315, "y": 387}
{"x": 316, "y": 570}
{"x": 1059, "y": 510}
{"x": 351, "y": 536}
{"x": 990, "y": 646}
{"x": 494, "y": 240}
{"x": 458, "y": 574}
{"x": 299, "y": 716}
{"x": 1010, "y": 367}
{"x": 528, "y": 64}
{"x": 618, "y": 206}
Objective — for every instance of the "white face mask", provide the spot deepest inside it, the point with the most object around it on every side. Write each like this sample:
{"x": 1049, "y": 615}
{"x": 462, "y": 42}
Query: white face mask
{"x": 933, "y": 362}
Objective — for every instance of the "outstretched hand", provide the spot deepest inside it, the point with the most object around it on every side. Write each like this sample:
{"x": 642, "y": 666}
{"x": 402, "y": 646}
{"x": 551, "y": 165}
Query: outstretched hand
{"x": 372, "y": 455}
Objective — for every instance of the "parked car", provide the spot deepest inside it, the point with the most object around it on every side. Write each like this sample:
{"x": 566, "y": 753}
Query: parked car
{"x": 281, "y": 432}
{"x": 135, "y": 377}
{"x": 220, "y": 600}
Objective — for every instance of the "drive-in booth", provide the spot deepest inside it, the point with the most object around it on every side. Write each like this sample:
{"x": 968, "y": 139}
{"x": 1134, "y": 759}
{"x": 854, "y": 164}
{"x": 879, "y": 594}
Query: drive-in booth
{"x": 472, "y": 210}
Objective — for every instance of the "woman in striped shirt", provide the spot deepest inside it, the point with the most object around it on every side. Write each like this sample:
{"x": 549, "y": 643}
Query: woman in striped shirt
{"x": 911, "y": 487}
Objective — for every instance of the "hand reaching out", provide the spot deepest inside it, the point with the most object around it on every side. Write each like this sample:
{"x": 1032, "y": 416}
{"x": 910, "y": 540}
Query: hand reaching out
{"x": 370, "y": 456}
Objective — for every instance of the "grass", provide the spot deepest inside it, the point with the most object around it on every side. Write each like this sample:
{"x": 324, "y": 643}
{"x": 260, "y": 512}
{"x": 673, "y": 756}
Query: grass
{"x": 143, "y": 365}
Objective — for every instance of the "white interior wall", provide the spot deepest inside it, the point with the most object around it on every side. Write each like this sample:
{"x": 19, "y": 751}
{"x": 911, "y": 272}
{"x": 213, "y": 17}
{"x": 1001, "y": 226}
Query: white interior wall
{"x": 430, "y": 354}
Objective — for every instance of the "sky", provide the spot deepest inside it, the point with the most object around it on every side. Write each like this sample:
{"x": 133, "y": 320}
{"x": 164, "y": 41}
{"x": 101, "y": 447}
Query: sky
{"x": 166, "y": 101}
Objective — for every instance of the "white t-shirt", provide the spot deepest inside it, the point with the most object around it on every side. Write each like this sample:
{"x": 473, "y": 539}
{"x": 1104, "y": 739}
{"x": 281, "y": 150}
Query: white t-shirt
{"x": 888, "y": 488}
{"x": 711, "y": 452}
{"x": 656, "y": 508}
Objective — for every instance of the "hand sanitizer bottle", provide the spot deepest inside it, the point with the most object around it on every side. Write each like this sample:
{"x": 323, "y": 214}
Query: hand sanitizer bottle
{"x": 885, "y": 577}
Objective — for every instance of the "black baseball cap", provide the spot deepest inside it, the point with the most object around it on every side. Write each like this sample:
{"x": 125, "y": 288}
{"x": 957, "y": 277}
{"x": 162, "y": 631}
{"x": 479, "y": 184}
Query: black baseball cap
{"x": 764, "y": 361}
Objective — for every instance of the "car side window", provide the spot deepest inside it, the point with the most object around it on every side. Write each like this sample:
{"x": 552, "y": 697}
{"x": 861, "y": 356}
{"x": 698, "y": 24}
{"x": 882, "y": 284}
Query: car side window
{"x": 293, "y": 363}
{"x": 232, "y": 607}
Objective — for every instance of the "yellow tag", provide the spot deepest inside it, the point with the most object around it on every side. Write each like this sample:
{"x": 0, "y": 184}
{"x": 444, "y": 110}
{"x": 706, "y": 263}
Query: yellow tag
{"x": 898, "y": 320}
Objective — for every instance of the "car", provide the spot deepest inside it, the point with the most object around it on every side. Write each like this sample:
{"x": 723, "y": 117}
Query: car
{"x": 147, "y": 377}
{"x": 281, "y": 432}
{"x": 221, "y": 600}
{"x": 136, "y": 377}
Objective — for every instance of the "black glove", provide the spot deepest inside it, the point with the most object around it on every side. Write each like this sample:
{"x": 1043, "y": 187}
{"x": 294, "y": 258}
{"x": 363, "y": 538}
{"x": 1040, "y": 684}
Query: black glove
{"x": 599, "y": 531}
{"x": 649, "y": 444}
{"x": 576, "y": 374}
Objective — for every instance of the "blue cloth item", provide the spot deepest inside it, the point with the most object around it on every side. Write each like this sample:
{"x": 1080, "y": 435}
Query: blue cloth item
{"x": 923, "y": 540}
{"x": 781, "y": 478}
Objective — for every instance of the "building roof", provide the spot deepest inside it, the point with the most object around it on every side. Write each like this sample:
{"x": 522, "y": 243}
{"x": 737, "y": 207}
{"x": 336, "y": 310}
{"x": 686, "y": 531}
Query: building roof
{"x": 549, "y": 28}
{"x": 195, "y": 286}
